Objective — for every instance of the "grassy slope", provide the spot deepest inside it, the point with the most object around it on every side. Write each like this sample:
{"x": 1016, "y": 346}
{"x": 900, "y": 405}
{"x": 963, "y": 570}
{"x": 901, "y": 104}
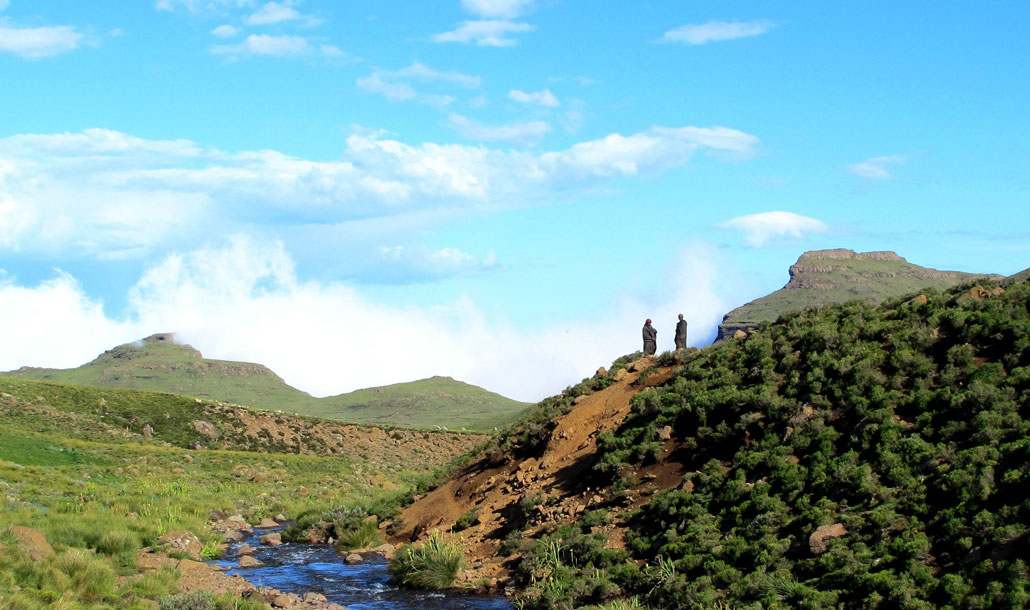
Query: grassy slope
{"x": 158, "y": 364}
{"x": 71, "y": 467}
{"x": 1022, "y": 275}
{"x": 852, "y": 279}
{"x": 423, "y": 403}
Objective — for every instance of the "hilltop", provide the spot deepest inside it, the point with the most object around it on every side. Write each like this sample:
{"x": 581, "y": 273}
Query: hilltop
{"x": 1021, "y": 276}
{"x": 160, "y": 363}
{"x": 851, "y": 455}
{"x": 821, "y": 277}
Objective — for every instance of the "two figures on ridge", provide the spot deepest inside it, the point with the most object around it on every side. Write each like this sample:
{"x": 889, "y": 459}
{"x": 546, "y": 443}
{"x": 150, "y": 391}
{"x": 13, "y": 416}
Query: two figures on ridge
{"x": 651, "y": 336}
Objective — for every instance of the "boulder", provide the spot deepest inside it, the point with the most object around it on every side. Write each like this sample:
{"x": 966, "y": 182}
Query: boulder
{"x": 386, "y": 550}
{"x": 282, "y": 601}
{"x": 739, "y": 334}
{"x": 32, "y": 542}
{"x": 266, "y": 522}
{"x": 620, "y": 374}
{"x": 665, "y": 433}
{"x": 182, "y": 542}
{"x": 246, "y": 549}
{"x": 314, "y": 598}
{"x": 272, "y": 539}
{"x": 233, "y": 536}
{"x": 249, "y": 562}
{"x": 819, "y": 541}
{"x": 601, "y": 372}
{"x": 353, "y": 558}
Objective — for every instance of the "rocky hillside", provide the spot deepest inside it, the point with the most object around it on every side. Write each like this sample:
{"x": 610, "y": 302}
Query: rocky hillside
{"x": 159, "y": 363}
{"x": 1022, "y": 275}
{"x": 849, "y": 456}
{"x": 822, "y": 277}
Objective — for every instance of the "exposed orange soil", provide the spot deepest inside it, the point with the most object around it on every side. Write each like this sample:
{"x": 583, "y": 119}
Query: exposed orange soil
{"x": 493, "y": 485}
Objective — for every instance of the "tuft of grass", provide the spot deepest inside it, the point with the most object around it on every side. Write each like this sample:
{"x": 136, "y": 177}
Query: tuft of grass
{"x": 197, "y": 600}
{"x": 433, "y": 564}
{"x": 363, "y": 536}
{"x": 466, "y": 521}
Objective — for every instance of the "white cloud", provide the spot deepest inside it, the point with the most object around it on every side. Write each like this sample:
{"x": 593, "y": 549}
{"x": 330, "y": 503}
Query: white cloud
{"x": 698, "y": 34}
{"x": 4, "y": 4}
{"x": 770, "y": 227}
{"x": 402, "y": 264}
{"x": 200, "y": 6}
{"x": 105, "y": 193}
{"x": 540, "y": 98}
{"x": 514, "y": 133}
{"x": 280, "y": 45}
{"x": 37, "y": 43}
{"x": 240, "y": 302}
{"x": 225, "y": 31}
{"x": 485, "y": 33}
{"x": 877, "y": 168}
{"x": 503, "y": 9}
{"x": 278, "y": 12}
{"x": 395, "y": 85}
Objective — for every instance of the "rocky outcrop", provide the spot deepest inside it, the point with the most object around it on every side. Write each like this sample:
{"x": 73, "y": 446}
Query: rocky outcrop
{"x": 32, "y": 542}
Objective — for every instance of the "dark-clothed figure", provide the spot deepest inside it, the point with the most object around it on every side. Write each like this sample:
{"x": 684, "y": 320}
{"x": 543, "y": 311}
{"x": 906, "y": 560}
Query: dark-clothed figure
{"x": 650, "y": 338}
{"x": 681, "y": 333}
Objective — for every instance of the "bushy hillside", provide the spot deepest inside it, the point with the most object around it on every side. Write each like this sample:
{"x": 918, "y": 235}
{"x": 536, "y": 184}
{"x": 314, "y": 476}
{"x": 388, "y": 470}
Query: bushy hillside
{"x": 850, "y": 456}
{"x": 823, "y": 277}
{"x": 160, "y": 364}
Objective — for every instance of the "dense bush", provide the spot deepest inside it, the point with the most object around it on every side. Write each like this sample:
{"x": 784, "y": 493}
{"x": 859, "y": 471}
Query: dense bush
{"x": 433, "y": 564}
{"x": 908, "y": 424}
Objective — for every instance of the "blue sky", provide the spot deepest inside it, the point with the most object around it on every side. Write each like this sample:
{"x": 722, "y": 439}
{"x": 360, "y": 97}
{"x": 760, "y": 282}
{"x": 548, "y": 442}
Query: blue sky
{"x": 357, "y": 193}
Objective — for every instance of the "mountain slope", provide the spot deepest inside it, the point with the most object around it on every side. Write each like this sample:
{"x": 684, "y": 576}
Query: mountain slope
{"x": 822, "y": 277}
{"x": 849, "y": 456}
{"x": 159, "y": 364}
{"x": 1021, "y": 276}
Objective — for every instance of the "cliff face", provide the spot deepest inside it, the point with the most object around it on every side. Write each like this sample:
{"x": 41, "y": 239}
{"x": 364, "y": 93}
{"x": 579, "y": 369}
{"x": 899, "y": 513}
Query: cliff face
{"x": 822, "y": 277}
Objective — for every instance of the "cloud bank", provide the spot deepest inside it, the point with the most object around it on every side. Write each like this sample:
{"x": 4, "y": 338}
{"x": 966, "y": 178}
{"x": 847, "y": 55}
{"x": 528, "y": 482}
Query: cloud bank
{"x": 245, "y": 301}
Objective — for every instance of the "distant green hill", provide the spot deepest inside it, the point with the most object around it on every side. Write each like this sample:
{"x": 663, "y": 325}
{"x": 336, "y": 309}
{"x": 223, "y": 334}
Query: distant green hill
{"x": 159, "y": 364}
{"x": 822, "y": 277}
{"x": 1021, "y": 276}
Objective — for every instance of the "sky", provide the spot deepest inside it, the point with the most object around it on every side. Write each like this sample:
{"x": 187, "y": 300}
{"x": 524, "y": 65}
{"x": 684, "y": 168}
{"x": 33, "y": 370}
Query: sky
{"x": 358, "y": 193}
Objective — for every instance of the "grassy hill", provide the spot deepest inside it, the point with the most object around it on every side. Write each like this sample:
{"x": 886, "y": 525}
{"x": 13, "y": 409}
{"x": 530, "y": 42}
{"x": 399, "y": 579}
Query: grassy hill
{"x": 101, "y": 473}
{"x": 1022, "y": 275}
{"x": 159, "y": 364}
{"x": 847, "y": 456}
{"x": 822, "y": 277}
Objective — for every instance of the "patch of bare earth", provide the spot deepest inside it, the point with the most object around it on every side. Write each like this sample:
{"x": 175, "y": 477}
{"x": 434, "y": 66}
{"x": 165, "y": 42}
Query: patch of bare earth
{"x": 494, "y": 485}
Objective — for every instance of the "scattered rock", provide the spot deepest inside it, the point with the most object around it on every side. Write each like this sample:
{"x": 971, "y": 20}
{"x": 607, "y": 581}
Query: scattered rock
{"x": 665, "y": 433}
{"x": 579, "y": 399}
{"x": 353, "y": 558}
{"x": 620, "y": 374}
{"x": 917, "y": 301}
{"x": 266, "y": 522}
{"x": 282, "y": 601}
{"x": 601, "y": 372}
{"x": 819, "y": 541}
{"x": 32, "y": 542}
{"x": 148, "y": 432}
{"x": 246, "y": 549}
{"x": 386, "y": 550}
{"x": 272, "y": 539}
{"x": 739, "y": 334}
{"x": 233, "y": 536}
{"x": 249, "y": 562}
{"x": 314, "y": 598}
{"x": 280, "y": 517}
{"x": 205, "y": 427}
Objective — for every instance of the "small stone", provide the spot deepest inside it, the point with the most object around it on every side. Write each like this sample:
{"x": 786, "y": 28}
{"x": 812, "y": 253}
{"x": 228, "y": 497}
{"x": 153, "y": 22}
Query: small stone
{"x": 282, "y": 601}
{"x": 280, "y": 517}
{"x": 246, "y": 549}
{"x": 266, "y": 522}
{"x": 272, "y": 539}
{"x": 665, "y": 433}
{"x": 249, "y": 562}
{"x": 353, "y": 558}
{"x": 312, "y": 598}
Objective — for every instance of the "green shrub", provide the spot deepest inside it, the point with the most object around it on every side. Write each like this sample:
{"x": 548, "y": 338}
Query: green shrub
{"x": 197, "y": 600}
{"x": 363, "y": 536}
{"x": 89, "y": 576}
{"x": 433, "y": 564}
{"x": 466, "y": 521}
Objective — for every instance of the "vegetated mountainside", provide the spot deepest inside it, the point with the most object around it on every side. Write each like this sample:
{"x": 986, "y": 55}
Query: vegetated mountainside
{"x": 1021, "y": 276}
{"x": 849, "y": 456}
{"x": 159, "y": 364}
{"x": 822, "y": 277}
{"x": 119, "y": 415}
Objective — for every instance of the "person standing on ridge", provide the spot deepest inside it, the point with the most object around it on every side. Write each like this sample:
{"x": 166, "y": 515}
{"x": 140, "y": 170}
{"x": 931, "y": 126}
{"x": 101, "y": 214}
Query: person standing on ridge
{"x": 681, "y": 333}
{"x": 650, "y": 338}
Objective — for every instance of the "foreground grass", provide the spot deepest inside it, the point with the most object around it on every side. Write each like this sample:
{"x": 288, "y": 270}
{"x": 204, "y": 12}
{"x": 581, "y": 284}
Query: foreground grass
{"x": 99, "y": 497}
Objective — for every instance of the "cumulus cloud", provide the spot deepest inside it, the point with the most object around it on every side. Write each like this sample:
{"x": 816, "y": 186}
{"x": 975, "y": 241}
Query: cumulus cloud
{"x": 485, "y": 33}
{"x": 713, "y": 31}
{"x": 279, "y": 12}
{"x": 503, "y": 9}
{"x": 200, "y": 6}
{"x": 102, "y": 193}
{"x": 280, "y": 45}
{"x": 539, "y": 98}
{"x": 39, "y": 42}
{"x": 514, "y": 133}
{"x": 240, "y": 302}
{"x": 770, "y": 227}
{"x": 877, "y": 168}
{"x": 225, "y": 31}
{"x": 396, "y": 85}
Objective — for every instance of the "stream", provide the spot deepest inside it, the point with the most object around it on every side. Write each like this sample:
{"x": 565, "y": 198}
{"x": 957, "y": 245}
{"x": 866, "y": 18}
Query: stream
{"x": 298, "y": 568}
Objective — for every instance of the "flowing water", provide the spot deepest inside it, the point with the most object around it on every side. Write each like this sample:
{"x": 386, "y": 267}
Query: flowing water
{"x": 298, "y": 568}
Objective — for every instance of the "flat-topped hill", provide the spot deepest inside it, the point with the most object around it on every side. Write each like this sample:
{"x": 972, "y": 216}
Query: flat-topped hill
{"x": 822, "y": 277}
{"x": 159, "y": 363}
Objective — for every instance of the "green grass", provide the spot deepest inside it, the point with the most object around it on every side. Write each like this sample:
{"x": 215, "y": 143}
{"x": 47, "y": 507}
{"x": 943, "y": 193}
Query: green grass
{"x": 26, "y": 450}
{"x": 433, "y": 564}
{"x": 159, "y": 365}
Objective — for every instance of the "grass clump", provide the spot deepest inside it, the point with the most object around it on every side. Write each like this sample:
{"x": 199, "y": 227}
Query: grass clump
{"x": 433, "y": 564}
{"x": 363, "y": 536}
